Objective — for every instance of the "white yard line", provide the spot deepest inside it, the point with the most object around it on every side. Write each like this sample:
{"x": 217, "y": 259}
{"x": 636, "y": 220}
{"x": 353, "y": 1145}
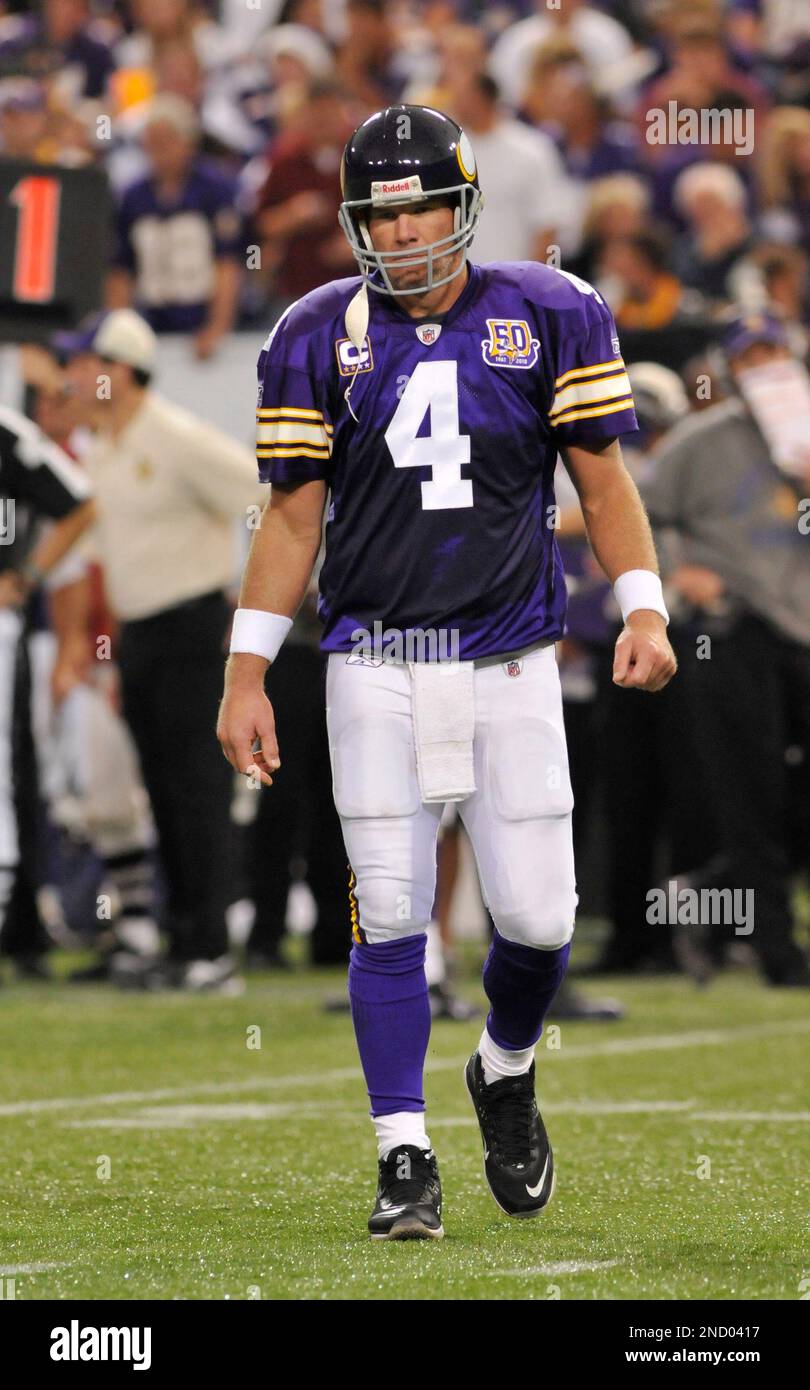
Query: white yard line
{"x": 32, "y": 1269}
{"x": 314, "y": 1080}
{"x": 187, "y": 1116}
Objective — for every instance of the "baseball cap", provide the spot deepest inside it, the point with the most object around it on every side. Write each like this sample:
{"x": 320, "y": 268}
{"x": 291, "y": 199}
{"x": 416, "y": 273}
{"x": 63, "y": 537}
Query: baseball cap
{"x": 659, "y": 395}
{"x": 120, "y": 335}
{"x": 746, "y": 329}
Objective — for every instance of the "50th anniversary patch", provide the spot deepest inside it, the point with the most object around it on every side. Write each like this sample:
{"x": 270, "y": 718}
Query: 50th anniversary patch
{"x": 510, "y": 344}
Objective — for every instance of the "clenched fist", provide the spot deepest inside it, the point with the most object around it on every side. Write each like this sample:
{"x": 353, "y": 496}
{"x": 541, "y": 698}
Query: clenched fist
{"x": 644, "y": 659}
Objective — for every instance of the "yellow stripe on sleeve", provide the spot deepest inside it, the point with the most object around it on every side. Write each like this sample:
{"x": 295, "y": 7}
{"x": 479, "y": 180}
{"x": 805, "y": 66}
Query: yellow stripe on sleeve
{"x": 271, "y": 432}
{"x": 593, "y": 392}
{"x": 292, "y": 412}
{"x": 591, "y": 412}
{"x": 300, "y": 452}
{"x": 576, "y": 372}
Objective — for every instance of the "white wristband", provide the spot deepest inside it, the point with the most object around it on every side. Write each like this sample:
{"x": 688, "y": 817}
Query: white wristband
{"x": 640, "y": 589}
{"x": 257, "y": 631}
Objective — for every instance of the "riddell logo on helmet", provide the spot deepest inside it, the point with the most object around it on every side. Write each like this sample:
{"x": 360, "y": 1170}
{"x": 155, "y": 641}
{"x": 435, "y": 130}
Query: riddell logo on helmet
{"x": 396, "y": 188}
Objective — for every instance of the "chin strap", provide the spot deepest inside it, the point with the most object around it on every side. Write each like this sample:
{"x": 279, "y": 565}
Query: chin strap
{"x": 356, "y": 321}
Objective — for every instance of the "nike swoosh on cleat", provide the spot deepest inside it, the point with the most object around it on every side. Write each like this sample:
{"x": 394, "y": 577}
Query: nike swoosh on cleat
{"x": 535, "y": 1191}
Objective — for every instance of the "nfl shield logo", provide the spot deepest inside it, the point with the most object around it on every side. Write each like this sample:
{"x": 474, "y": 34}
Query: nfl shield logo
{"x": 513, "y": 668}
{"x": 428, "y": 333}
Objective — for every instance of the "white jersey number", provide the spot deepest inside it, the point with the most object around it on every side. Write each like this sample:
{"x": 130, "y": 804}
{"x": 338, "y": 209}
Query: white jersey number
{"x": 433, "y": 387}
{"x": 582, "y": 285}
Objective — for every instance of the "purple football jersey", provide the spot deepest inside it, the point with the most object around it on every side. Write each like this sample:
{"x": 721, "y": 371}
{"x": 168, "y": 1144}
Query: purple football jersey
{"x": 441, "y": 515}
{"x": 172, "y": 248}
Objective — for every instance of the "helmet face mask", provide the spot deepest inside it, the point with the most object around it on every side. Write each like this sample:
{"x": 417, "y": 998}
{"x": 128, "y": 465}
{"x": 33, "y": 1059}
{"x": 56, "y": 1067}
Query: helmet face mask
{"x": 356, "y": 227}
{"x": 384, "y": 167}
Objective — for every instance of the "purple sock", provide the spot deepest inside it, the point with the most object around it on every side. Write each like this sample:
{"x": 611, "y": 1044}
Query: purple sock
{"x": 391, "y": 1015}
{"x": 520, "y": 983}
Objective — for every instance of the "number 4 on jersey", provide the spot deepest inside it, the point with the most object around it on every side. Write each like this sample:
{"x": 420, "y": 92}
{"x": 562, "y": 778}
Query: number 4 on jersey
{"x": 433, "y": 387}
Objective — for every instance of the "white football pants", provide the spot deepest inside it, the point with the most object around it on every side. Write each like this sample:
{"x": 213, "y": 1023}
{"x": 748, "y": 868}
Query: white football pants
{"x": 518, "y": 819}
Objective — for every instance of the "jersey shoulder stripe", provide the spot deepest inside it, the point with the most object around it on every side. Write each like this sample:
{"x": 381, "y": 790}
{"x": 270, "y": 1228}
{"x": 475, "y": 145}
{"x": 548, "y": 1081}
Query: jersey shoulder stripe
{"x": 596, "y": 369}
{"x": 594, "y": 412}
{"x": 590, "y": 392}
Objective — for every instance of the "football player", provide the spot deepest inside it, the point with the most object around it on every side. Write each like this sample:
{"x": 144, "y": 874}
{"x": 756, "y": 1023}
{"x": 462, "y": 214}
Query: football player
{"x": 425, "y": 402}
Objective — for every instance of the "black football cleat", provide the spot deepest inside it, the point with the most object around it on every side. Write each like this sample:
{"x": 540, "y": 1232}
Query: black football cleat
{"x": 518, "y": 1162}
{"x": 409, "y": 1196}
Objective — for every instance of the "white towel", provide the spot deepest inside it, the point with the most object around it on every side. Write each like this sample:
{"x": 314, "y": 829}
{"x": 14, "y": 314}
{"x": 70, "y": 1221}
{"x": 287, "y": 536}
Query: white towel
{"x": 443, "y": 703}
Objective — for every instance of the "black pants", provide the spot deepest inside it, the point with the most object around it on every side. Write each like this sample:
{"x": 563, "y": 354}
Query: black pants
{"x": 648, "y": 780}
{"x": 752, "y": 702}
{"x": 172, "y": 667}
{"x": 296, "y": 819}
{"x": 23, "y": 934}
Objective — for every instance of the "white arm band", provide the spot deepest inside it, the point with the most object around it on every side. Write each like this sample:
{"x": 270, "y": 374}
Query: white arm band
{"x": 259, "y": 632}
{"x": 640, "y": 589}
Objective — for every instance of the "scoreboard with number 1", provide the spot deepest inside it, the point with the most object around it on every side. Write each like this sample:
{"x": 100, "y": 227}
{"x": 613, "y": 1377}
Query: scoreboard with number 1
{"x": 55, "y": 229}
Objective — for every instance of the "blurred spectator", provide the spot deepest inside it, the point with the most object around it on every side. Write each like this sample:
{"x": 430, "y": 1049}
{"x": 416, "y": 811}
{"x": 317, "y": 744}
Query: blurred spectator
{"x": 786, "y": 287}
{"x": 528, "y": 198}
{"x": 633, "y": 768}
{"x": 228, "y": 130}
{"x": 784, "y": 176}
{"x": 294, "y": 53}
{"x": 615, "y": 206}
{"x": 37, "y": 482}
{"x": 158, "y": 22}
{"x": 556, "y": 55}
{"x": 60, "y": 40}
{"x": 602, "y": 42}
{"x": 700, "y": 72}
{"x": 744, "y": 567}
{"x": 368, "y": 62}
{"x": 309, "y": 13}
{"x": 284, "y": 60}
{"x": 773, "y": 28}
{"x": 296, "y": 210}
{"x": 179, "y": 236}
{"x": 461, "y": 54}
{"x": 591, "y": 141}
{"x": 24, "y": 123}
{"x": 643, "y": 292}
{"x": 168, "y": 487}
{"x": 712, "y": 200}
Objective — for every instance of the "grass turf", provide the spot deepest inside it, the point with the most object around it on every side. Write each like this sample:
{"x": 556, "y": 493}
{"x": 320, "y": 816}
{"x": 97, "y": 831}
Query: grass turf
{"x": 241, "y": 1172}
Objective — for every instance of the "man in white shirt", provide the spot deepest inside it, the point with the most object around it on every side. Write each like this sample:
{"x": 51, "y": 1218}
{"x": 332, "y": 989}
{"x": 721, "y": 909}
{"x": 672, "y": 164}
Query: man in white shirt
{"x": 529, "y": 198}
{"x": 168, "y": 487}
{"x": 601, "y": 40}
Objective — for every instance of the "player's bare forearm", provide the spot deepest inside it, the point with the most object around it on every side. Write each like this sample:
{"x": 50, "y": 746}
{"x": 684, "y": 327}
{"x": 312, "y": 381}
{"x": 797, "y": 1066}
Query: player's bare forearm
{"x": 284, "y": 550}
{"x": 281, "y": 560}
{"x": 621, "y": 539}
{"x": 615, "y": 519}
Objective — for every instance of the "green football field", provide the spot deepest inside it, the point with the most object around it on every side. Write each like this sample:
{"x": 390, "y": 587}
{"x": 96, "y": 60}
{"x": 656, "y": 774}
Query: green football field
{"x": 148, "y": 1151}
